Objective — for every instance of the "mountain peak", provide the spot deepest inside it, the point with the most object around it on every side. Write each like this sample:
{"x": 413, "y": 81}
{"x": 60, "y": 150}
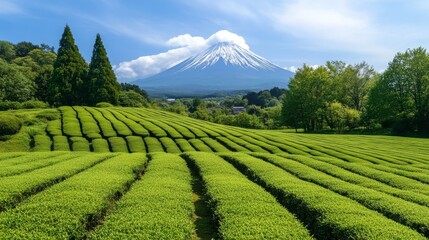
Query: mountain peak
{"x": 224, "y": 66}
{"x": 227, "y": 53}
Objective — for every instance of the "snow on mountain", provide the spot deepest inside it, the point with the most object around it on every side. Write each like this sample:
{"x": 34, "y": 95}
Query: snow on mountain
{"x": 222, "y": 67}
{"x": 228, "y": 53}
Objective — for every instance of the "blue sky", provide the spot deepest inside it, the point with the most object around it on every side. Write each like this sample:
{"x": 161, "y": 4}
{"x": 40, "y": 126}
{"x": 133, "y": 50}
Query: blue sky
{"x": 145, "y": 37}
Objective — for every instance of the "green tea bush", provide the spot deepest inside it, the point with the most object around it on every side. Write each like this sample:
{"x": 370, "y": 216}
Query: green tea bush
{"x": 153, "y": 145}
{"x": 50, "y": 114}
{"x": 184, "y": 145}
{"x": 136, "y": 144}
{"x": 103, "y": 105}
{"x": 118, "y": 144}
{"x": 151, "y": 210}
{"x": 34, "y": 104}
{"x": 9, "y": 124}
{"x": 61, "y": 143}
{"x": 169, "y": 145}
{"x": 325, "y": 213}
{"x": 100, "y": 145}
{"x": 134, "y": 126}
{"x": 9, "y": 105}
{"x": 242, "y": 209}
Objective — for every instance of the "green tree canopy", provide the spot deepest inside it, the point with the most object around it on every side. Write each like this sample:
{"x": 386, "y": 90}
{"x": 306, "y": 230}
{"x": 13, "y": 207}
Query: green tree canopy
{"x": 102, "y": 81}
{"x": 308, "y": 92}
{"x": 14, "y": 86}
{"x": 70, "y": 70}
{"x": 135, "y": 88}
{"x": 7, "y": 51}
{"x": 401, "y": 95}
{"x": 23, "y": 48}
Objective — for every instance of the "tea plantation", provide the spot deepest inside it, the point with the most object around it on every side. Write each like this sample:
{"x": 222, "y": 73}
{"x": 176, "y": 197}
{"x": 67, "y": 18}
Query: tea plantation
{"x": 133, "y": 173}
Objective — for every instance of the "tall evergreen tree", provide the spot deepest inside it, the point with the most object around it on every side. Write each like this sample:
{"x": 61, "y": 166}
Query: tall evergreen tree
{"x": 103, "y": 86}
{"x": 70, "y": 70}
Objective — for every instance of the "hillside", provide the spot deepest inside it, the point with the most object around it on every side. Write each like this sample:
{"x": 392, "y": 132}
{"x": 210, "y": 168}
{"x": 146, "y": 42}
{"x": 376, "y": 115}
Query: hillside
{"x": 135, "y": 173}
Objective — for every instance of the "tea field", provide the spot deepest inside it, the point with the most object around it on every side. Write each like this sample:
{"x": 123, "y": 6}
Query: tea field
{"x": 133, "y": 173}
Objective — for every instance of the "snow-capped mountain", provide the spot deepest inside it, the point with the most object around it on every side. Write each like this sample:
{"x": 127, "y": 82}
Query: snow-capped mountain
{"x": 222, "y": 67}
{"x": 228, "y": 53}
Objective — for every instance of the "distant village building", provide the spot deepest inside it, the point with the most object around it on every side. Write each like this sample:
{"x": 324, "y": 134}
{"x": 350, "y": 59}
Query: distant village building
{"x": 237, "y": 110}
{"x": 171, "y": 100}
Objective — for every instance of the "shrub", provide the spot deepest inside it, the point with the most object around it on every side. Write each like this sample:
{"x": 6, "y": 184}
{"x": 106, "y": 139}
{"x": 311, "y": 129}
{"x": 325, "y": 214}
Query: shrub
{"x": 131, "y": 99}
{"x": 34, "y": 104}
{"x": 9, "y": 125}
{"x": 9, "y": 105}
{"x": 50, "y": 114}
{"x": 103, "y": 105}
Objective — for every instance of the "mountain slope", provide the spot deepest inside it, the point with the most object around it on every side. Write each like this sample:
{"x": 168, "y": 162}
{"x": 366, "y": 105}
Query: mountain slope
{"x": 222, "y": 67}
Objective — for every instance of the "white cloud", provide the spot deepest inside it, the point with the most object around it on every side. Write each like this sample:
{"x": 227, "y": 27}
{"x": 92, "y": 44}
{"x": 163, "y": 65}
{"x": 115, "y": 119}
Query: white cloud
{"x": 294, "y": 68}
{"x": 331, "y": 24}
{"x": 291, "y": 68}
{"x": 183, "y": 46}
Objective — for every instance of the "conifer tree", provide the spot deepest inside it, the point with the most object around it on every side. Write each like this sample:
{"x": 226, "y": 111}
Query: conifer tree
{"x": 103, "y": 84}
{"x": 67, "y": 85}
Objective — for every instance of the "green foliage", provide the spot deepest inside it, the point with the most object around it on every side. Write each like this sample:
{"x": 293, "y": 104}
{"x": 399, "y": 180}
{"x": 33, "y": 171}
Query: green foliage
{"x": 61, "y": 143}
{"x": 243, "y": 209}
{"x": 106, "y": 127}
{"x": 153, "y": 144}
{"x": 10, "y": 105}
{"x": 338, "y": 115}
{"x": 323, "y": 211}
{"x": 49, "y": 115}
{"x": 7, "y": 51}
{"x": 102, "y": 83}
{"x": 14, "y": 86}
{"x": 200, "y": 145}
{"x": 17, "y": 186}
{"x": 9, "y": 124}
{"x": 67, "y": 85}
{"x": 34, "y": 104}
{"x": 401, "y": 95}
{"x": 136, "y": 144}
{"x": 73, "y": 204}
{"x": 28, "y": 162}
{"x": 131, "y": 99}
{"x": 100, "y": 145}
{"x": 134, "y": 126}
{"x": 184, "y": 145}
{"x": 118, "y": 144}
{"x": 169, "y": 145}
{"x": 79, "y": 144}
{"x": 215, "y": 145}
{"x": 132, "y": 87}
{"x": 42, "y": 143}
{"x": 103, "y": 105}
{"x": 23, "y": 48}
{"x": 308, "y": 91}
{"x": 164, "y": 214}
{"x": 45, "y": 60}
{"x": 89, "y": 125}
{"x": 120, "y": 127}
{"x": 404, "y": 212}
{"x": 337, "y": 186}
{"x": 70, "y": 122}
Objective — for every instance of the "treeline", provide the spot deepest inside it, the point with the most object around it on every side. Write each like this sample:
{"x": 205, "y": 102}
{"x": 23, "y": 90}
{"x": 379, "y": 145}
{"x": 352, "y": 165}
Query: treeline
{"x": 36, "y": 74}
{"x": 259, "y": 110}
{"x": 344, "y": 97}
